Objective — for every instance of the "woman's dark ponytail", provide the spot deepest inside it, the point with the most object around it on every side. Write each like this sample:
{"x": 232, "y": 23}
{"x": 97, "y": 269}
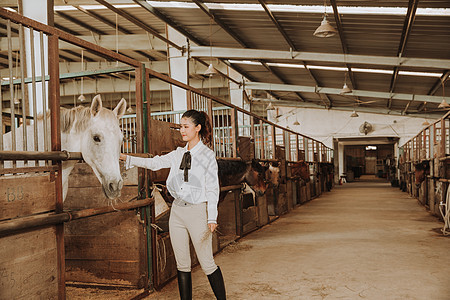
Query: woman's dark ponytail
{"x": 200, "y": 117}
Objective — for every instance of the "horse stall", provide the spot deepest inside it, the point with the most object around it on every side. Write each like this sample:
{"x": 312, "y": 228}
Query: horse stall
{"x": 425, "y": 168}
{"x": 277, "y": 201}
{"x": 109, "y": 250}
{"x": 31, "y": 257}
{"x": 292, "y": 188}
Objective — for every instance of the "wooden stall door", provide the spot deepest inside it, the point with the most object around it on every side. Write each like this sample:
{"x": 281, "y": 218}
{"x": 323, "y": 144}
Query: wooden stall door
{"x": 28, "y": 259}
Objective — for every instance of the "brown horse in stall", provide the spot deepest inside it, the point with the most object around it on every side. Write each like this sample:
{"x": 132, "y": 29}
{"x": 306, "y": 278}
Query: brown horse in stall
{"x": 300, "y": 169}
{"x": 421, "y": 170}
{"x": 232, "y": 172}
{"x": 273, "y": 173}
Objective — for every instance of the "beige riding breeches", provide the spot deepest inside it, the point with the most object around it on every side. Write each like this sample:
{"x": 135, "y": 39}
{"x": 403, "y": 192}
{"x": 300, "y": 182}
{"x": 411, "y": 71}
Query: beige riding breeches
{"x": 190, "y": 220}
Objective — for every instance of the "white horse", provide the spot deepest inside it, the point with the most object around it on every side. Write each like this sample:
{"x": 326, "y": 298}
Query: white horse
{"x": 94, "y": 132}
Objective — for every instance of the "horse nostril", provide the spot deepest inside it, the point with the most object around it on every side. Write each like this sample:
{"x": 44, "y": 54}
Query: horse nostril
{"x": 111, "y": 186}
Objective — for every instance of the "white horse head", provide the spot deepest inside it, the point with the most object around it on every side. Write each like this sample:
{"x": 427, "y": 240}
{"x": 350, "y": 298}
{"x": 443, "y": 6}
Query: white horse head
{"x": 94, "y": 132}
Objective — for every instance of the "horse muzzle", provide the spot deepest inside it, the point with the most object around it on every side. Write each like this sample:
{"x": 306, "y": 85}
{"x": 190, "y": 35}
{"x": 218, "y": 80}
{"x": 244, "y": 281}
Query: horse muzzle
{"x": 112, "y": 188}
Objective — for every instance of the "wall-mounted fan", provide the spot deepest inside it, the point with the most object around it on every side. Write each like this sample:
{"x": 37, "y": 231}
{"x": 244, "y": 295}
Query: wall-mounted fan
{"x": 365, "y": 128}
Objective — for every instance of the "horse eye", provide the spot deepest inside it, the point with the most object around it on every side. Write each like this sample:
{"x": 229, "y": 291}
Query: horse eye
{"x": 96, "y": 138}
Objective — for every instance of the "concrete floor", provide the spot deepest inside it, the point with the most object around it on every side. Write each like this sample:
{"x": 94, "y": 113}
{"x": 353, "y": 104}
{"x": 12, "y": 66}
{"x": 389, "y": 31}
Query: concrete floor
{"x": 361, "y": 240}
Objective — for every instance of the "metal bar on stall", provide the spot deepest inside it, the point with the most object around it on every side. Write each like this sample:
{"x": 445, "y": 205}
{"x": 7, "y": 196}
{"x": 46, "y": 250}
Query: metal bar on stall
{"x": 234, "y": 130}
{"x": 37, "y": 155}
{"x": 33, "y": 88}
{"x": 261, "y": 133}
{"x": 11, "y": 226}
{"x": 211, "y": 117}
{"x": 274, "y": 142}
{"x": 44, "y": 94}
{"x": 22, "y": 87}
{"x": 11, "y": 88}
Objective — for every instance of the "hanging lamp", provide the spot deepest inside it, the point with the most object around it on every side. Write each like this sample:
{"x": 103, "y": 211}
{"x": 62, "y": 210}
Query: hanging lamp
{"x": 444, "y": 103}
{"x": 345, "y": 88}
{"x": 325, "y": 29}
{"x": 426, "y": 123}
{"x": 82, "y": 97}
{"x": 270, "y": 106}
{"x": 129, "y": 109}
{"x": 211, "y": 71}
{"x": 354, "y": 114}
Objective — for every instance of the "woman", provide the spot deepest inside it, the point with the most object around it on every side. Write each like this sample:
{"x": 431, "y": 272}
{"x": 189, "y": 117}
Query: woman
{"x": 194, "y": 183}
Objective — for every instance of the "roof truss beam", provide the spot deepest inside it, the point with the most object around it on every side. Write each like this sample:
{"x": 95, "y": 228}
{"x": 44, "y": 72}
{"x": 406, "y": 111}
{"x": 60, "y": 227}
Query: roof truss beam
{"x": 145, "y": 5}
{"x": 334, "y": 91}
{"x": 407, "y": 26}
{"x": 138, "y": 23}
{"x": 373, "y": 110}
{"x": 278, "y": 25}
{"x": 295, "y": 56}
{"x": 219, "y": 22}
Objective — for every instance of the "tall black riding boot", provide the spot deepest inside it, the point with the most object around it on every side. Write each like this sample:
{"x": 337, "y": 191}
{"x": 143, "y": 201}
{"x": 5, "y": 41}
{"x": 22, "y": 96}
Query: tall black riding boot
{"x": 217, "y": 284}
{"x": 185, "y": 285}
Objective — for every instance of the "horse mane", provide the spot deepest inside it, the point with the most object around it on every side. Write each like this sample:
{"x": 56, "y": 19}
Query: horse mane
{"x": 78, "y": 116}
{"x": 227, "y": 167}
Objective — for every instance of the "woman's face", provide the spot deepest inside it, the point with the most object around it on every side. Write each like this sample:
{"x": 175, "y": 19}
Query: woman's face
{"x": 188, "y": 129}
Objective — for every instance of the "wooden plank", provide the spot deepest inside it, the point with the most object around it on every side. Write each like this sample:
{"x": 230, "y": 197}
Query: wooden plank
{"x": 28, "y": 265}
{"x": 249, "y": 219}
{"x": 226, "y": 218}
{"x": 291, "y": 194}
{"x": 303, "y": 195}
{"x": 164, "y": 139}
{"x": 263, "y": 215}
{"x": 22, "y": 195}
{"x": 106, "y": 249}
{"x": 88, "y": 197}
{"x": 83, "y": 176}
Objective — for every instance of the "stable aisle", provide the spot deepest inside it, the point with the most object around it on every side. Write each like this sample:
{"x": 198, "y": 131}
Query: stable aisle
{"x": 362, "y": 240}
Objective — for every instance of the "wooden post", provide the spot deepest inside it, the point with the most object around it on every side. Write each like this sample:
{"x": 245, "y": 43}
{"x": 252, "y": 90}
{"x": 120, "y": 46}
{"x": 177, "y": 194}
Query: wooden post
{"x": 261, "y": 130}
{"x": 53, "y": 69}
{"x": 274, "y": 142}
{"x": 443, "y": 137}
{"x": 234, "y": 130}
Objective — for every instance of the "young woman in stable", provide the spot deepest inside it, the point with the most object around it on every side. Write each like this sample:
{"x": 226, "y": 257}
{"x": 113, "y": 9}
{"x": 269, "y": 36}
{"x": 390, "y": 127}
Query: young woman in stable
{"x": 193, "y": 182}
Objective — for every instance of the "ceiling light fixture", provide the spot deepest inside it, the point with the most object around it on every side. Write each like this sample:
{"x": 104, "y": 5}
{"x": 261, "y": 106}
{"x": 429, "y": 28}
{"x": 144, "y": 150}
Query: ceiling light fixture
{"x": 426, "y": 123}
{"x": 345, "y": 88}
{"x": 354, "y": 114}
{"x": 325, "y": 29}
{"x": 444, "y": 103}
{"x": 270, "y": 106}
{"x": 211, "y": 71}
{"x": 82, "y": 97}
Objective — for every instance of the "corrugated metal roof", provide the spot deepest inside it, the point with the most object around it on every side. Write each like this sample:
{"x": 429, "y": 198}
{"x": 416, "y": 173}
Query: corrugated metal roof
{"x": 363, "y": 33}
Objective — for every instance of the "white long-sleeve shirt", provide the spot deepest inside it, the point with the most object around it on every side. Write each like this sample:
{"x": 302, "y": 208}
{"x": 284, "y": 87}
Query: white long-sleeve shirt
{"x": 203, "y": 181}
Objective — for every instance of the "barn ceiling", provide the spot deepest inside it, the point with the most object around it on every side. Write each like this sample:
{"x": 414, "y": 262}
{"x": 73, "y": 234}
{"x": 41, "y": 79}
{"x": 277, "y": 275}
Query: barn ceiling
{"x": 394, "y": 55}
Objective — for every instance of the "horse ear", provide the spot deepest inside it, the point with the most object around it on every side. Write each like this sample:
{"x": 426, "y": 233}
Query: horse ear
{"x": 96, "y": 105}
{"x": 119, "y": 111}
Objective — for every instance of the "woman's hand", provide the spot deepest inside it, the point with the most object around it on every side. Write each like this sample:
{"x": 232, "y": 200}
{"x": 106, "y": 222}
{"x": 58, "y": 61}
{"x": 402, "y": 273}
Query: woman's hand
{"x": 212, "y": 226}
{"x": 122, "y": 157}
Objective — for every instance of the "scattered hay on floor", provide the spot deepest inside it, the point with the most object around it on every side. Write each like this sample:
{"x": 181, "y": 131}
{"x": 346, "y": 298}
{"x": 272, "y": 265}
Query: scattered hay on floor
{"x": 236, "y": 246}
